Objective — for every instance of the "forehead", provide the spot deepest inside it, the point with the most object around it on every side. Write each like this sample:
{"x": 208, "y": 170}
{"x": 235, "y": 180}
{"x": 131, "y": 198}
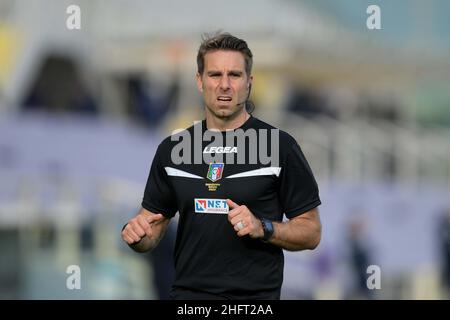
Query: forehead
{"x": 224, "y": 60}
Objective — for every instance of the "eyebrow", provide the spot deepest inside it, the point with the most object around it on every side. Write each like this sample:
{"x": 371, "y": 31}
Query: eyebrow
{"x": 231, "y": 72}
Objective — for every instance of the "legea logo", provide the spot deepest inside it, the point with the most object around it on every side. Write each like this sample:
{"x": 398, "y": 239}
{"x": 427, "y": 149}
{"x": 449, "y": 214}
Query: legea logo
{"x": 220, "y": 150}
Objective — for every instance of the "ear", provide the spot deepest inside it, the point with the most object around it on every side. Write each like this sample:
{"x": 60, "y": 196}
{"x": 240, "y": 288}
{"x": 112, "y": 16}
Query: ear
{"x": 250, "y": 81}
{"x": 199, "y": 82}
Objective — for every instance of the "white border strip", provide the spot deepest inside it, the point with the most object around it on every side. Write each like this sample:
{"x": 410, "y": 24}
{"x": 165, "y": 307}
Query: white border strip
{"x": 180, "y": 173}
{"x": 269, "y": 171}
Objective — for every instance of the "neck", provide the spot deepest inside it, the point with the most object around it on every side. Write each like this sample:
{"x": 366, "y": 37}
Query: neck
{"x": 226, "y": 123}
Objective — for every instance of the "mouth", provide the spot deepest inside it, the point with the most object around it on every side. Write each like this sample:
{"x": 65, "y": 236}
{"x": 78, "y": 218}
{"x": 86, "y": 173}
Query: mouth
{"x": 224, "y": 98}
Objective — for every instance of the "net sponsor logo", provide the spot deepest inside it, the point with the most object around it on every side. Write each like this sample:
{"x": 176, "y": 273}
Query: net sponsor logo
{"x": 217, "y": 206}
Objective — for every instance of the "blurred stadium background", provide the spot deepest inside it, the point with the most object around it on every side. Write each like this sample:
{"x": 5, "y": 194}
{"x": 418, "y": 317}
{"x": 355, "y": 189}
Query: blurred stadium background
{"x": 82, "y": 111}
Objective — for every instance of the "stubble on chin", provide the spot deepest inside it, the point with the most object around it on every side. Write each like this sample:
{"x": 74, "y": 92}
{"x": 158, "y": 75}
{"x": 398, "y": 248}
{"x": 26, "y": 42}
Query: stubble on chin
{"x": 224, "y": 114}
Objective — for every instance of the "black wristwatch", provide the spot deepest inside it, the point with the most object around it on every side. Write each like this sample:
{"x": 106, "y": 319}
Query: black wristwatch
{"x": 268, "y": 229}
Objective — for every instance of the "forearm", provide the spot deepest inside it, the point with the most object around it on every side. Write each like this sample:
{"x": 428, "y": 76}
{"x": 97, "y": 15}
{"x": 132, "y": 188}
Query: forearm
{"x": 296, "y": 235}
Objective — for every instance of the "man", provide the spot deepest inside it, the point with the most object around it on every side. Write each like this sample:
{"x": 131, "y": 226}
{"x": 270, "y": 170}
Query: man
{"x": 230, "y": 231}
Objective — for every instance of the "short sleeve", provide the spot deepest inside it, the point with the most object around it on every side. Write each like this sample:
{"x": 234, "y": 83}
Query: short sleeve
{"x": 298, "y": 190}
{"x": 159, "y": 196}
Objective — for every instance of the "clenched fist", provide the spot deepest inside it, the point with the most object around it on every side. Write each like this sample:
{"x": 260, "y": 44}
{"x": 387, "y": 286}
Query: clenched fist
{"x": 144, "y": 231}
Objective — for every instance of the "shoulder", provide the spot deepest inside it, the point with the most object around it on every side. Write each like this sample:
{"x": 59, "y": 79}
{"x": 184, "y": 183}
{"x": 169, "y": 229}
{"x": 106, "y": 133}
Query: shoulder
{"x": 179, "y": 140}
{"x": 177, "y": 135}
{"x": 285, "y": 139}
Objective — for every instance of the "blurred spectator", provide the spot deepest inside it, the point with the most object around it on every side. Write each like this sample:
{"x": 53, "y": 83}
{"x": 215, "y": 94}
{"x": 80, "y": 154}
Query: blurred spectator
{"x": 11, "y": 263}
{"x": 444, "y": 247}
{"x": 379, "y": 107}
{"x": 323, "y": 264}
{"x": 307, "y": 103}
{"x": 359, "y": 258}
{"x": 149, "y": 103}
{"x": 58, "y": 87}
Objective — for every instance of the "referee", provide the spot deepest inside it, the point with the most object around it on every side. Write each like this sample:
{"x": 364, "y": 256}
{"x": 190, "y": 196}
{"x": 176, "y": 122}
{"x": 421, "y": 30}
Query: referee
{"x": 231, "y": 230}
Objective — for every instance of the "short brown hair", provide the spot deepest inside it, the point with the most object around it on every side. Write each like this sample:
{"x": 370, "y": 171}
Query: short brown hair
{"x": 223, "y": 41}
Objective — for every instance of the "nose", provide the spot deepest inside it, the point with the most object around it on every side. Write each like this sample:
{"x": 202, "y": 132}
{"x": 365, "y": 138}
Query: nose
{"x": 224, "y": 83}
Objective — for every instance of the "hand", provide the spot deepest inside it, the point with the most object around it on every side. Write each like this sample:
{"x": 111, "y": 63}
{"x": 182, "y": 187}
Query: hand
{"x": 243, "y": 221}
{"x": 144, "y": 224}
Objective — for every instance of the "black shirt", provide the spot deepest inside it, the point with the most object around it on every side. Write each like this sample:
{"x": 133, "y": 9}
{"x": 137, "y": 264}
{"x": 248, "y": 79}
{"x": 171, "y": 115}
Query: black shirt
{"x": 209, "y": 256}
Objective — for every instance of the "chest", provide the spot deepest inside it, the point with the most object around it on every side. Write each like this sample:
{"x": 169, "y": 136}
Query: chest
{"x": 244, "y": 184}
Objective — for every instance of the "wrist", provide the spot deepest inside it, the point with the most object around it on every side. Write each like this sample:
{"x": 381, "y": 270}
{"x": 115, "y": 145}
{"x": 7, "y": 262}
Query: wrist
{"x": 268, "y": 229}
